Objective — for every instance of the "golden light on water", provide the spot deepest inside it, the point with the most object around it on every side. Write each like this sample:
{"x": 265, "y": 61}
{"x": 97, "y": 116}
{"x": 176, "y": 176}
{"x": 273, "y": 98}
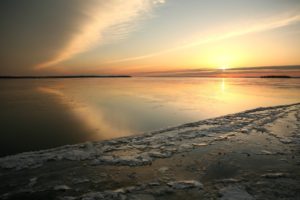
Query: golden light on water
{"x": 106, "y": 113}
{"x": 223, "y": 85}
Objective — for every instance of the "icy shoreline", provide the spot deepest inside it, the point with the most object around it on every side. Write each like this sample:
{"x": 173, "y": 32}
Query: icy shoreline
{"x": 215, "y": 158}
{"x": 157, "y": 144}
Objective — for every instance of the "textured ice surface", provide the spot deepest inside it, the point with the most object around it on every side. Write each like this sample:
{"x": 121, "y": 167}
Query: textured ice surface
{"x": 142, "y": 149}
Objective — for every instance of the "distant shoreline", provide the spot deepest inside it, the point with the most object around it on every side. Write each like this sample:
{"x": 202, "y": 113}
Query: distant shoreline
{"x": 274, "y": 76}
{"x": 258, "y": 77}
{"x": 129, "y": 76}
{"x": 64, "y": 77}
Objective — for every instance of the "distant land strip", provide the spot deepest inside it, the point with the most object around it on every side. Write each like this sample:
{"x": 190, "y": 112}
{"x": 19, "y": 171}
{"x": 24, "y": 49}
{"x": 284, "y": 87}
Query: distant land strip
{"x": 274, "y": 76}
{"x": 64, "y": 77}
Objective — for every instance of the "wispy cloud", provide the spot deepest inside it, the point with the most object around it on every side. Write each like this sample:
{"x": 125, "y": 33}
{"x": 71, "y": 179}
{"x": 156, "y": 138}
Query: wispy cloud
{"x": 264, "y": 25}
{"x": 102, "y": 15}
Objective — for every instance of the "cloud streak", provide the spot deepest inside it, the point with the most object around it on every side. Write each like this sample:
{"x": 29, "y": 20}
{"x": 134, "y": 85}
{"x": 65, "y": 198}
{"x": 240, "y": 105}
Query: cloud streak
{"x": 254, "y": 28}
{"x": 102, "y": 15}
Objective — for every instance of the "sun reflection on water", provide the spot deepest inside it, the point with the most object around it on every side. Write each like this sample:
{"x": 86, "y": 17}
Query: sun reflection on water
{"x": 130, "y": 106}
{"x": 223, "y": 85}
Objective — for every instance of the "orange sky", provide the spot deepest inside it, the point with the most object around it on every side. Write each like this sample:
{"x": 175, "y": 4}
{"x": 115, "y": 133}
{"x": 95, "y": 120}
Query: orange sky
{"x": 139, "y": 36}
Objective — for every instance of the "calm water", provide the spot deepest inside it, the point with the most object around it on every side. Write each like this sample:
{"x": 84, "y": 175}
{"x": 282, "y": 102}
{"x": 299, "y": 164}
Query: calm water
{"x": 39, "y": 114}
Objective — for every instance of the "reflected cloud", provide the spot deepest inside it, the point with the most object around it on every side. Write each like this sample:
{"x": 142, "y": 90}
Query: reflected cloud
{"x": 93, "y": 118}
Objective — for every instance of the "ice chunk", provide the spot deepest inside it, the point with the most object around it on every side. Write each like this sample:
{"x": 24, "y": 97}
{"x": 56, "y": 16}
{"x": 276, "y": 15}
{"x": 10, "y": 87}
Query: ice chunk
{"x": 235, "y": 193}
{"x": 184, "y": 184}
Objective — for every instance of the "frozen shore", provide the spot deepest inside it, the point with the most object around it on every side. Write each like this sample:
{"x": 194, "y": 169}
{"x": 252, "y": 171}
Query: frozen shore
{"x": 249, "y": 155}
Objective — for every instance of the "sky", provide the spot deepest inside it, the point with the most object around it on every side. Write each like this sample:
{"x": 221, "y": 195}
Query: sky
{"x": 140, "y": 37}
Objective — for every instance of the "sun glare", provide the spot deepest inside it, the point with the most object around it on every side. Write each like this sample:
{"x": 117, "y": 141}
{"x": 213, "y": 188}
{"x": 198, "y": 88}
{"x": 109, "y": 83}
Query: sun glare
{"x": 223, "y": 67}
{"x": 223, "y": 61}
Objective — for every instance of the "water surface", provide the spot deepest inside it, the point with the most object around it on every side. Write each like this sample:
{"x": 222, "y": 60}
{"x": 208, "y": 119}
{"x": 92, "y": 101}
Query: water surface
{"x": 45, "y": 113}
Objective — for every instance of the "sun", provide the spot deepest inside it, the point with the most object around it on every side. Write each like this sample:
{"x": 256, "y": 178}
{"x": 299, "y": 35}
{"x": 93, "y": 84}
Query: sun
{"x": 223, "y": 67}
{"x": 223, "y": 61}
